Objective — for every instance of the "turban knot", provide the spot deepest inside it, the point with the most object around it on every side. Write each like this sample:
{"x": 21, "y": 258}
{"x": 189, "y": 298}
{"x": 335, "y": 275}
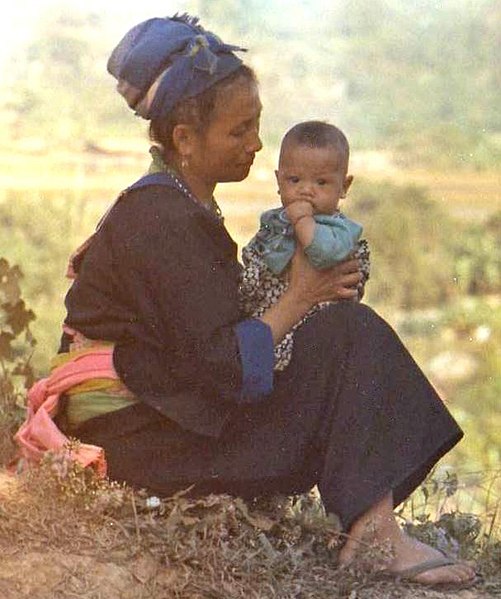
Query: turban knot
{"x": 163, "y": 60}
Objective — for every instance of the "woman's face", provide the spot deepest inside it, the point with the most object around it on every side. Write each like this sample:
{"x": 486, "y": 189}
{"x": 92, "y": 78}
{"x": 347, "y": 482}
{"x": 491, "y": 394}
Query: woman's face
{"x": 226, "y": 149}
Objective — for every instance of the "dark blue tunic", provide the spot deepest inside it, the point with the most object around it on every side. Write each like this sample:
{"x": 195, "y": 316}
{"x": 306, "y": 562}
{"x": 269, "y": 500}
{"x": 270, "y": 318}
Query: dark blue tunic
{"x": 352, "y": 413}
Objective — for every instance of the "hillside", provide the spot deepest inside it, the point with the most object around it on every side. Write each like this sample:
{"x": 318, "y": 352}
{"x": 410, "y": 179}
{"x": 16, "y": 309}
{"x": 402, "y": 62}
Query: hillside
{"x": 116, "y": 547}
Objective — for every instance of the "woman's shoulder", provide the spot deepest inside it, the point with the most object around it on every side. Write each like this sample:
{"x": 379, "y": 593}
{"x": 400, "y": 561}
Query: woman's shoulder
{"x": 148, "y": 208}
{"x": 148, "y": 218}
{"x": 156, "y": 198}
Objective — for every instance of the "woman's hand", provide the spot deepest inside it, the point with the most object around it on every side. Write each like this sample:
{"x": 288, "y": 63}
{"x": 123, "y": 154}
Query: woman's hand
{"x": 312, "y": 286}
{"x": 307, "y": 287}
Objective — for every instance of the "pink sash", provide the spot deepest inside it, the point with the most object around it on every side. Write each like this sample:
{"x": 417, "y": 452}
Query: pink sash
{"x": 39, "y": 433}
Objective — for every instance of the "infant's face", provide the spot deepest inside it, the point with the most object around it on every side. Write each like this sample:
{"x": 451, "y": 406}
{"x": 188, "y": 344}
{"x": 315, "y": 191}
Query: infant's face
{"x": 315, "y": 175}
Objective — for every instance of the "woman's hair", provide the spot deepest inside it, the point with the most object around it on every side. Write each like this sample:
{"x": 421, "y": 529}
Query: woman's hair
{"x": 197, "y": 111}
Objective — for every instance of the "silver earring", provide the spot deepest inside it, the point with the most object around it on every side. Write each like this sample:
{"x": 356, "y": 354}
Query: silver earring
{"x": 184, "y": 163}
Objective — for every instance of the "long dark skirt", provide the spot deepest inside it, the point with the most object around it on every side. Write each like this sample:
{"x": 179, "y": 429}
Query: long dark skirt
{"x": 352, "y": 413}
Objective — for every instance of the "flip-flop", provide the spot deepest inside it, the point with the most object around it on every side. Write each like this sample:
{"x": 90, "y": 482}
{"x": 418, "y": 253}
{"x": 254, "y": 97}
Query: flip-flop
{"x": 408, "y": 575}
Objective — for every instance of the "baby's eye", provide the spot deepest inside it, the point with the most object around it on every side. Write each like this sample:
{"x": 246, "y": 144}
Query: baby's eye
{"x": 321, "y": 182}
{"x": 293, "y": 179}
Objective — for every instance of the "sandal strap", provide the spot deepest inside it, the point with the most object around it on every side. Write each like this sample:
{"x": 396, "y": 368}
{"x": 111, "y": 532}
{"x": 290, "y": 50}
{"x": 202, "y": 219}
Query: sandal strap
{"x": 431, "y": 564}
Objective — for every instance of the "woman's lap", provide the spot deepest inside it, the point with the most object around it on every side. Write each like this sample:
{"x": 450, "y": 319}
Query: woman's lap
{"x": 352, "y": 413}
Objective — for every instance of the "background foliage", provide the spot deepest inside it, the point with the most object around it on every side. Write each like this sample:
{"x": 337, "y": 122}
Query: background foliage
{"x": 414, "y": 83}
{"x": 16, "y": 350}
{"x": 418, "y": 79}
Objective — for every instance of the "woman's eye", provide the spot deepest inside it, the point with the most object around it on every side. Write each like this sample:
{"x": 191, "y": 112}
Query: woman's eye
{"x": 322, "y": 182}
{"x": 238, "y": 132}
{"x": 245, "y": 128}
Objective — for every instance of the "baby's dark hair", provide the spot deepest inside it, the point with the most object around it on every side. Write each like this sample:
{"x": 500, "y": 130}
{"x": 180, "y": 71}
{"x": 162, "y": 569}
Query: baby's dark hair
{"x": 319, "y": 134}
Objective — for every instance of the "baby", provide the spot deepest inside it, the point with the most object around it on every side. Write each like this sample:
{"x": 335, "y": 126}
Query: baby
{"x": 312, "y": 177}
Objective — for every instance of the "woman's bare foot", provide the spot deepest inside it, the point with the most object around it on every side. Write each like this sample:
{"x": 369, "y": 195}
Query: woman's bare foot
{"x": 411, "y": 552}
{"x": 378, "y": 526}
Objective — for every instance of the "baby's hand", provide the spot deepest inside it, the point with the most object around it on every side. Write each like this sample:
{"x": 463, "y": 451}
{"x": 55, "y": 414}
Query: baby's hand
{"x": 300, "y": 214}
{"x": 298, "y": 210}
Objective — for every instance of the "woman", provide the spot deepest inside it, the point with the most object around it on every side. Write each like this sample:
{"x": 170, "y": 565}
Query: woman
{"x": 197, "y": 402}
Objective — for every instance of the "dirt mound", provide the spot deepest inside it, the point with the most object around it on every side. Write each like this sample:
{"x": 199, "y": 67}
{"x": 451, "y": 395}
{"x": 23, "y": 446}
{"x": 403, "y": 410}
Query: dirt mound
{"x": 80, "y": 538}
{"x": 57, "y": 574}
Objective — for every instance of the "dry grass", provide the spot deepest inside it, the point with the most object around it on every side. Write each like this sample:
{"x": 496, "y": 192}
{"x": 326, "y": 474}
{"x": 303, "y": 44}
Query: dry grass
{"x": 465, "y": 195}
{"x": 78, "y": 537}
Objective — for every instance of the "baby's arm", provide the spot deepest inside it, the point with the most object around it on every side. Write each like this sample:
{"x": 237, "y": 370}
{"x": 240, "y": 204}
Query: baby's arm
{"x": 300, "y": 215}
{"x": 333, "y": 242}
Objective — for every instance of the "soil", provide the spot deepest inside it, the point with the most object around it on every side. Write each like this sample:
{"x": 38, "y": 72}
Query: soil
{"x": 40, "y": 562}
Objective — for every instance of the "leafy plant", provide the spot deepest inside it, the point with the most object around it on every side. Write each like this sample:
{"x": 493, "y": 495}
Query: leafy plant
{"x": 478, "y": 260}
{"x": 16, "y": 348}
{"x": 42, "y": 228}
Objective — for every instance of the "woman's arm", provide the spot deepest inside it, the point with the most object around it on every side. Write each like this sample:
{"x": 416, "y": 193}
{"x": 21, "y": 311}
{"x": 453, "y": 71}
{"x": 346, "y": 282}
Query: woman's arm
{"x": 170, "y": 296}
{"x": 176, "y": 270}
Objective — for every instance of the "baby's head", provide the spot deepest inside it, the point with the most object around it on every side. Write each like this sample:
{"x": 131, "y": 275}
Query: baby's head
{"x": 313, "y": 166}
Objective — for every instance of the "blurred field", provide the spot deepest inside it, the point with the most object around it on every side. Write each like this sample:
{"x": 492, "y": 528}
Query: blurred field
{"x": 96, "y": 177}
{"x": 474, "y": 195}
{"x": 76, "y": 188}
{"x": 465, "y": 194}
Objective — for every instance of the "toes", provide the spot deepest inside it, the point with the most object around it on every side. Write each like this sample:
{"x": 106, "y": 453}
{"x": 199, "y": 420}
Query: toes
{"x": 467, "y": 569}
{"x": 455, "y": 574}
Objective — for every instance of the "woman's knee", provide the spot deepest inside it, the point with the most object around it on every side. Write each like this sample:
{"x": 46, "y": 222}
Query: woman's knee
{"x": 332, "y": 322}
{"x": 350, "y": 320}
{"x": 350, "y": 314}
{"x": 361, "y": 316}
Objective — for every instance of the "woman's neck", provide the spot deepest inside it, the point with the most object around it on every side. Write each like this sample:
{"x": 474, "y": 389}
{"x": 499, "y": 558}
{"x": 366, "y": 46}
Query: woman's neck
{"x": 201, "y": 189}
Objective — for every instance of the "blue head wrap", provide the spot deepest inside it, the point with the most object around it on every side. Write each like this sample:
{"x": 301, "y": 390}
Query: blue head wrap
{"x": 164, "y": 60}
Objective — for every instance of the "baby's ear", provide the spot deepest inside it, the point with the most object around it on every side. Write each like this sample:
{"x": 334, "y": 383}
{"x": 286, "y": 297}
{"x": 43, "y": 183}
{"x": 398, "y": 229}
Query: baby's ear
{"x": 348, "y": 180}
{"x": 278, "y": 181}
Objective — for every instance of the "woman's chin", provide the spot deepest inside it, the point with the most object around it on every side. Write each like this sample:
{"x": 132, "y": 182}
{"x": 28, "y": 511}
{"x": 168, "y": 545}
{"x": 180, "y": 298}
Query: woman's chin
{"x": 237, "y": 175}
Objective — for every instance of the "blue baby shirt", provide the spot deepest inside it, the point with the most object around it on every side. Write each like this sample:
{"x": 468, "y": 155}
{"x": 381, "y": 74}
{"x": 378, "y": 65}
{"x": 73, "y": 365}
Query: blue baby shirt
{"x": 334, "y": 239}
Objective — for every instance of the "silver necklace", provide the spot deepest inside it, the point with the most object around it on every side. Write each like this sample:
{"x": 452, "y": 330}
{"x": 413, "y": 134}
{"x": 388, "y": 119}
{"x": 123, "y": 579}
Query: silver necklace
{"x": 159, "y": 164}
{"x": 213, "y": 208}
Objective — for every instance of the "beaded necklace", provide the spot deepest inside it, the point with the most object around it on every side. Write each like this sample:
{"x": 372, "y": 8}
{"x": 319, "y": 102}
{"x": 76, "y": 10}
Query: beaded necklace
{"x": 213, "y": 208}
{"x": 158, "y": 165}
